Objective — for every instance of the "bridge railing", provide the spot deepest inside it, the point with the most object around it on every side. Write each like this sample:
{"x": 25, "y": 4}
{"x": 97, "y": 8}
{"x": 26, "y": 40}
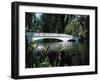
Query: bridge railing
{"x": 47, "y": 34}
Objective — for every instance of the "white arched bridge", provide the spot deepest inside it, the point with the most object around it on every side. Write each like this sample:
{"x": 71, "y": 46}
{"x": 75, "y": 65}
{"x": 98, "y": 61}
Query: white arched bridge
{"x": 38, "y": 36}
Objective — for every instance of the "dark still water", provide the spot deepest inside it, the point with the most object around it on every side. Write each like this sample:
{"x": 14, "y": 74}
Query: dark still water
{"x": 56, "y": 54}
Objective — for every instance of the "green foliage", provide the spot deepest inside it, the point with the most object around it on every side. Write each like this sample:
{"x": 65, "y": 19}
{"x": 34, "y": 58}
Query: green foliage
{"x": 29, "y": 53}
{"x": 79, "y": 26}
{"x": 35, "y": 58}
{"x": 73, "y": 28}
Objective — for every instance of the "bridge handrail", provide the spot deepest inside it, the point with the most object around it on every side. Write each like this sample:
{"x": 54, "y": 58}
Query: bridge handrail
{"x": 47, "y": 34}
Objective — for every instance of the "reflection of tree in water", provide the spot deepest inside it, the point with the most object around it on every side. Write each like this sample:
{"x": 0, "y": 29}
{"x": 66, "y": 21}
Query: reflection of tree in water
{"x": 65, "y": 59}
{"x": 75, "y": 58}
{"x": 44, "y": 57}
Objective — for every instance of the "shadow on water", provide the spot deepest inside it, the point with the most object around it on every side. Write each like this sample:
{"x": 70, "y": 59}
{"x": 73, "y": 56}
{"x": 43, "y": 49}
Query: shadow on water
{"x": 55, "y": 54}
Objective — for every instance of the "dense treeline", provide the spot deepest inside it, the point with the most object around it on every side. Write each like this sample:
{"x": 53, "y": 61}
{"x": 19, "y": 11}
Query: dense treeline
{"x": 76, "y": 25}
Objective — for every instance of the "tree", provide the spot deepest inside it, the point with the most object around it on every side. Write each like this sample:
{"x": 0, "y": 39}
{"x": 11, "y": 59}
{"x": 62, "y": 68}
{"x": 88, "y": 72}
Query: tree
{"x": 53, "y": 23}
{"x": 28, "y": 21}
{"x": 78, "y": 26}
